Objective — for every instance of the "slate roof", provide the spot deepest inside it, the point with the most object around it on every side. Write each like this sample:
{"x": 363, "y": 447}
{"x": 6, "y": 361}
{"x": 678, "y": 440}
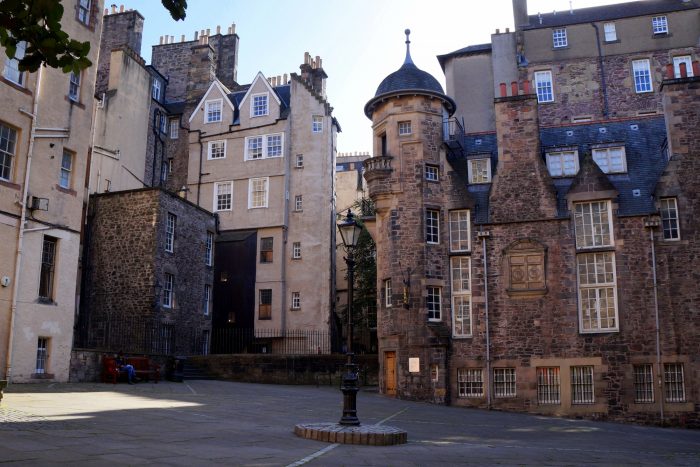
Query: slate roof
{"x": 470, "y": 50}
{"x": 409, "y": 78}
{"x": 643, "y": 138}
{"x": 608, "y": 12}
{"x": 283, "y": 92}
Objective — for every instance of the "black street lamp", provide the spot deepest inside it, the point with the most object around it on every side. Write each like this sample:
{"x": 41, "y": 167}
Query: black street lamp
{"x": 350, "y": 233}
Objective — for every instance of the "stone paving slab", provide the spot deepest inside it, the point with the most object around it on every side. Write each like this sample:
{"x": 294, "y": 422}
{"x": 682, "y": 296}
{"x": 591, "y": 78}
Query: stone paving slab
{"x": 225, "y": 423}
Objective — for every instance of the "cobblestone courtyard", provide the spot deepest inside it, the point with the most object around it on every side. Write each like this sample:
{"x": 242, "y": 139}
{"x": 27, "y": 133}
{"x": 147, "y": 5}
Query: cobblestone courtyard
{"x": 225, "y": 423}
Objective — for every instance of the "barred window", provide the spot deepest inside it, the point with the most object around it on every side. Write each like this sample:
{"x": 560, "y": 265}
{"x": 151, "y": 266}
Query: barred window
{"x": 582, "y": 385}
{"x": 548, "y": 385}
{"x": 42, "y": 355}
{"x": 674, "y": 387}
{"x": 643, "y": 383}
{"x": 471, "y": 382}
{"x": 504, "y": 382}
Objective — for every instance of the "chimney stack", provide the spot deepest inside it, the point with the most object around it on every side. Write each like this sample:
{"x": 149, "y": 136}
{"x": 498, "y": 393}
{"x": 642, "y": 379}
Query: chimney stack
{"x": 520, "y": 18}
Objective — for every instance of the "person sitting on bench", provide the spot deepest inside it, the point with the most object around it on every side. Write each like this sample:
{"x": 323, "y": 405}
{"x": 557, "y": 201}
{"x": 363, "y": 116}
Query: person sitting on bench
{"x": 122, "y": 366}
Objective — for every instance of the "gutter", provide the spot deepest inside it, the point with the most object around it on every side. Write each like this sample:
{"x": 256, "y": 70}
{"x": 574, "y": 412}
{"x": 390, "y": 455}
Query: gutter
{"x": 602, "y": 71}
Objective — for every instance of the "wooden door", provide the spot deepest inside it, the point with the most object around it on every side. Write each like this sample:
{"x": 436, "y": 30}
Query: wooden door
{"x": 390, "y": 373}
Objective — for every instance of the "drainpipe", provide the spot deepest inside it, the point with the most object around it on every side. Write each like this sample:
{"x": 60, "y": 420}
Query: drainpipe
{"x": 156, "y": 129}
{"x": 22, "y": 220}
{"x": 652, "y": 224}
{"x": 483, "y": 235}
{"x": 602, "y": 71}
{"x": 199, "y": 172}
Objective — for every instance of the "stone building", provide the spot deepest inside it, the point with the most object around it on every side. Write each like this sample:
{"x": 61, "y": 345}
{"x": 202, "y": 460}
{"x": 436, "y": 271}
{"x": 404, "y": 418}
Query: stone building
{"x": 45, "y": 124}
{"x": 534, "y": 241}
{"x": 262, "y": 157}
{"x": 157, "y": 297}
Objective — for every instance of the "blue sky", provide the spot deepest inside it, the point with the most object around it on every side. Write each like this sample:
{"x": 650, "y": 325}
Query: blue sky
{"x": 359, "y": 41}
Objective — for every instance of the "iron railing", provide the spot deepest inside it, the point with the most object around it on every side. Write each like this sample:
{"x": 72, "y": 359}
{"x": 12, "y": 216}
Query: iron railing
{"x": 146, "y": 336}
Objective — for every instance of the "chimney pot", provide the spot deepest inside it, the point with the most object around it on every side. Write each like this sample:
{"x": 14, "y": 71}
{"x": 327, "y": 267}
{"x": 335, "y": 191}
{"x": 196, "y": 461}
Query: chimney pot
{"x": 507, "y": 30}
{"x": 503, "y": 90}
{"x": 233, "y": 28}
{"x": 121, "y": 8}
{"x": 526, "y": 87}
{"x": 498, "y": 31}
{"x": 229, "y": 29}
{"x": 285, "y": 79}
{"x": 208, "y": 32}
{"x": 218, "y": 29}
{"x": 196, "y": 35}
{"x": 514, "y": 88}
{"x": 114, "y": 8}
{"x": 182, "y": 38}
{"x": 106, "y": 11}
{"x": 172, "y": 40}
{"x": 161, "y": 40}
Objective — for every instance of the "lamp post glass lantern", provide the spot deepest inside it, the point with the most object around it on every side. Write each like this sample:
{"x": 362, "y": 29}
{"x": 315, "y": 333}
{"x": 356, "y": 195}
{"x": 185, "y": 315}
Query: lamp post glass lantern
{"x": 350, "y": 233}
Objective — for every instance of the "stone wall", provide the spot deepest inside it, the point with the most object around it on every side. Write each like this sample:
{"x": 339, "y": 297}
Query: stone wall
{"x": 118, "y": 29}
{"x": 290, "y": 369}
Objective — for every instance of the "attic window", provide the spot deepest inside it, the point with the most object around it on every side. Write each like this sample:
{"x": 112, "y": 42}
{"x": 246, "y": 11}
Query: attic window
{"x": 559, "y": 38}
{"x": 659, "y": 25}
{"x": 611, "y": 159}
{"x": 212, "y": 111}
{"x": 258, "y": 105}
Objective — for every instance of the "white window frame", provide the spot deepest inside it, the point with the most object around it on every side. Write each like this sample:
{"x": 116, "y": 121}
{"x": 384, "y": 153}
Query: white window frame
{"x": 610, "y": 32}
{"x": 11, "y": 71}
{"x": 220, "y": 198}
{"x": 209, "y": 249}
{"x": 296, "y": 250}
{"x": 259, "y": 104}
{"x": 548, "y": 385}
{"x": 66, "y": 169}
{"x": 432, "y": 172}
{"x": 479, "y": 170}
{"x": 156, "y": 88}
{"x": 674, "y": 382}
{"x": 299, "y": 161}
{"x": 504, "y": 383}
{"x": 460, "y": 238}
{"x": 544, "y": 86}
{"x": 387, "y": 293}
{"x": 659, "y": 24}
{"x": 174, "y": 128}
{"x": 605, "y": 158}
{"x": 74, "y": 86}
{"x": 593, "y": 224}
{"x": 641, "y": 74}
{"x": 460, "y": 274}
{"x": 213, "y": 111}
{"x": 257, "y": 197}
{"x": 296, "y": 300}
{"x": 262, "y": 147}
{"x": 84, "y": 7}
{"x": 432, "y": 226}
{"x": 559, "y": 163}
{"x": 168, "y": 287}
{"x": 597, "y": 292}
{"x": 207, "y": 299}
{"x": 470, "y": 382}
{"x": 298, "y": 203}
{"x": 688, "y": 60}
{"x": 582, "y": 385}
{"x": 170, "y": 225}
{"x": 559, "y": 39}
{"x": 643, "y": 383}
{"x": 317, "y": 123}
{"x": 213, "y": 152}
{"x": 433, "y": 303}
{"x": 405, "y": 128}
{"x": 670, "y": 221}
{"x": 8, "y": 146}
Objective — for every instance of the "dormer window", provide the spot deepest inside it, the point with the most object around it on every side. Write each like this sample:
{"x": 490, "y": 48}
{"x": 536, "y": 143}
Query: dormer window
{"x": 611, "y": 160}
{"x": 562, "y": 163}
{"x": 155, "y": 89}
{"x": 258, "y": 105}
{"x": 212, "y": 111}
{"x": 659, "y": 25}
{"x": 559, "y": 38}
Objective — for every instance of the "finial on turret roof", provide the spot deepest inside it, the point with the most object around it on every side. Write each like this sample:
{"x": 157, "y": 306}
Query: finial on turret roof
{"x": 408, "y": 47}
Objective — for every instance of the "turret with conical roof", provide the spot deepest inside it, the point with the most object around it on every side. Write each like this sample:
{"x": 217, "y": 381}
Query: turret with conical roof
{"x": 409, "y": 181}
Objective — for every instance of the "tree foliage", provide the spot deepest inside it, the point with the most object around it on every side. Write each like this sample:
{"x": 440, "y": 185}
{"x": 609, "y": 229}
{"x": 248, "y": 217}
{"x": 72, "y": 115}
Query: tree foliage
{"x": 38, "y": 23}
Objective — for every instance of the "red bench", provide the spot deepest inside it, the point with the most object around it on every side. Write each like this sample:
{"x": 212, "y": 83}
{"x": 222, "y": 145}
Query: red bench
{"x": 143, "y": 367}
